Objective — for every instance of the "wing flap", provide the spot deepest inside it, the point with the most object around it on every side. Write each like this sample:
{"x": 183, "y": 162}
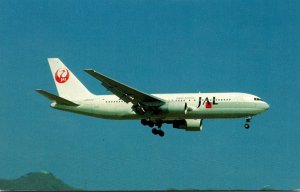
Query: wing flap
{"x": 57, "y": 99}
{"x": 124, "y": 92}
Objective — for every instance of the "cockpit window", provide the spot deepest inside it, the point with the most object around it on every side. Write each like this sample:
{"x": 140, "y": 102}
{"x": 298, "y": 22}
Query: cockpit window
{"x": 257, "y": 99}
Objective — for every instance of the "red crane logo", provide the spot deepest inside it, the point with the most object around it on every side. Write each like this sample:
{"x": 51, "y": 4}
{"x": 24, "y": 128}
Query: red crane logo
{"x": 62, "y": 75}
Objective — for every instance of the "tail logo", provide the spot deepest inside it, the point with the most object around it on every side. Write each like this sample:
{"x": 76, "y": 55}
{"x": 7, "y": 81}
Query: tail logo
{"x": 62, "y": 75}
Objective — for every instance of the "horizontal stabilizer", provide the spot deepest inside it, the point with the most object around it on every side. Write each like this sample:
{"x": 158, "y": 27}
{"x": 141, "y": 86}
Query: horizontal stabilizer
{"x": 57, "y": 99}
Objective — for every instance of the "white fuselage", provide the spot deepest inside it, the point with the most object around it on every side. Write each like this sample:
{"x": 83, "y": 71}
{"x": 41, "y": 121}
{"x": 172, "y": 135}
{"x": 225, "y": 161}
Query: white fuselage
{"x": 200, "y": 105}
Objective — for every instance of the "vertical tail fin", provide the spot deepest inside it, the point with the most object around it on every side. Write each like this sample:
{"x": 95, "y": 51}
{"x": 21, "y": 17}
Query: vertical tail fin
{"x": 68, "y": 86}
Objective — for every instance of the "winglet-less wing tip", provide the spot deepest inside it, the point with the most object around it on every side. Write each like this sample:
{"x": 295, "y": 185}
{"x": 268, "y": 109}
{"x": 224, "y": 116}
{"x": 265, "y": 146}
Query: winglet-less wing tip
{"x": 89, "y": 70}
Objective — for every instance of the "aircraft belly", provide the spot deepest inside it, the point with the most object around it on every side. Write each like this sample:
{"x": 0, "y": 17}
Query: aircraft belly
{"x": 115, "y": 111}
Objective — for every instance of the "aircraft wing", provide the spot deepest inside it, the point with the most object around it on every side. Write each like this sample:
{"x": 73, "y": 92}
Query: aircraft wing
{"x": 126, "y": 93}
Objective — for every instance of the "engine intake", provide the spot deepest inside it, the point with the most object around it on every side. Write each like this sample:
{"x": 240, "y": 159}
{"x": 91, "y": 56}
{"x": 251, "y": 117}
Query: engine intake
{"x": 188, "y": 124}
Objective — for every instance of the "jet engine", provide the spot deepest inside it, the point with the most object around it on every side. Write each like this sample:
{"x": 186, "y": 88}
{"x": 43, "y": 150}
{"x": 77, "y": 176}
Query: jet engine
{"x": 188, "y": 124}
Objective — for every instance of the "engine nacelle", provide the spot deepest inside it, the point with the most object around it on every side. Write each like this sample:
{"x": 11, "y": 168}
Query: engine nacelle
{"x": 174, "y": 108}
{"x": 188, "y": 124}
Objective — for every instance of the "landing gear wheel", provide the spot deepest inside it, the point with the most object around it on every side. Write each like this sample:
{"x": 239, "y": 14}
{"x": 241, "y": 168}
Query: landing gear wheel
{"x": 158, "y": 132}
{"x": 151, "y": 123}
{"x": 144, "y": 122}
{"x": 155, "y": 131}
{"x": 247, "y": 126}
{"x": 161, "y": 133}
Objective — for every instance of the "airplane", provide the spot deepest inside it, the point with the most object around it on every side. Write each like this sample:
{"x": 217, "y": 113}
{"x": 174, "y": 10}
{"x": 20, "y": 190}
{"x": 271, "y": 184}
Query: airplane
{"x": 184, "y": 111}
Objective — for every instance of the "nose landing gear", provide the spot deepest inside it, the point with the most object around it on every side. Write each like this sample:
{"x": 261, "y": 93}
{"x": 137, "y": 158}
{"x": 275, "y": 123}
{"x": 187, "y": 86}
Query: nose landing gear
{"x": 247, "y": 126}
{"x": 248, "y": 120}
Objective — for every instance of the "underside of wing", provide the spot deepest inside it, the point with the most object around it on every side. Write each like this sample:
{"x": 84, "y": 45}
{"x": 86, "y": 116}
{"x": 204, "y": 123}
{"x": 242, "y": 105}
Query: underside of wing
{"x": 142, "y": 101}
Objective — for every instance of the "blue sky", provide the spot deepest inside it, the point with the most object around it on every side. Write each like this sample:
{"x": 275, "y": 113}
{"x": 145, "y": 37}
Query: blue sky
{"x": 157, "y": 47}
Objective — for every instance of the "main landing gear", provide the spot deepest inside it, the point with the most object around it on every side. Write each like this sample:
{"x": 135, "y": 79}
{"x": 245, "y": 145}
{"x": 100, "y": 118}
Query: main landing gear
{"x": 158, "y": 132}
{"x": 248, "y": 120}
{"x": 155, "y": 131}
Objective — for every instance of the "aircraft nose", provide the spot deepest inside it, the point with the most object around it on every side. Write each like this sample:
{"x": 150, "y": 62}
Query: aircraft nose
{"x": 265, "y": 106}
